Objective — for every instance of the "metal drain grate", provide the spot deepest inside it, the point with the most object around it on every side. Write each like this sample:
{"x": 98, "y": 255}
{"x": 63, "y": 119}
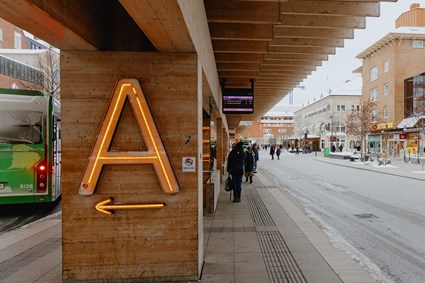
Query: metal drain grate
{"x": 280, "y": 263}
{"x": 259, "y": 211}
{"x": 10, "y": 266}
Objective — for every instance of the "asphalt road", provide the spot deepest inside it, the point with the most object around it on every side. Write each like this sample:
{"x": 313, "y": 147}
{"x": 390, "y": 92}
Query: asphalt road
{"x": 378, "y": 219}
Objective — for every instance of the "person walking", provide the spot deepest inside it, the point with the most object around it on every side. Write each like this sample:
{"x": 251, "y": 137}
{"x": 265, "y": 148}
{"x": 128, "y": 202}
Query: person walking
{"x": 272, "y": 151}
{"x": 235, "y": 167}
{"x": 256, "y": 156}
{"x": 278, "y": 149}
{"x": 249, "y": 165}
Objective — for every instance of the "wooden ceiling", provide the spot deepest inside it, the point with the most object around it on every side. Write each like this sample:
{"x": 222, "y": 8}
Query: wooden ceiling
{"x": 279, "y": 43}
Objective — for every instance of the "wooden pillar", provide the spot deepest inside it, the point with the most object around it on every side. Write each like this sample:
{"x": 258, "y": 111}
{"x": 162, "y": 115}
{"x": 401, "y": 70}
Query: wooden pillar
{"x": 225, "y": 151}
{"x": 141, "y": 244}
{"x": 220, "y": 146}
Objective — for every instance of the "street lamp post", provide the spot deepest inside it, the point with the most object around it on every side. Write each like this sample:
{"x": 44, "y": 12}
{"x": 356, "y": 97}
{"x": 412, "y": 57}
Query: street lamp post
{"x": 332, "y": 131}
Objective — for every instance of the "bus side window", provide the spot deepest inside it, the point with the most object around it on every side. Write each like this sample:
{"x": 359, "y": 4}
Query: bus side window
{"x": 56, "y": 132}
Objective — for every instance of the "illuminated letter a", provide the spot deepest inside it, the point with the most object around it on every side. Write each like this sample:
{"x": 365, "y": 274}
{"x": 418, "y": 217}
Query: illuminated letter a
{"x": 155, "y": 154}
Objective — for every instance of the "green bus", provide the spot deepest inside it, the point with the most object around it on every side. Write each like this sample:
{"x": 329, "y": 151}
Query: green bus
{"x": 30, "y": 147}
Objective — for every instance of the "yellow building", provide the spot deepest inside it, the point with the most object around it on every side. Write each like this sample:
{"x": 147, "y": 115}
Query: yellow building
{"x": 393, "y": 74}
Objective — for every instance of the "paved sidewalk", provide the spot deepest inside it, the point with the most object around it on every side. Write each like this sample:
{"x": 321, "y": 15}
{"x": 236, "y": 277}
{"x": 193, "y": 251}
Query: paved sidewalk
{"x": 267, "y": 238}
{"x": 264, "y": 238}
{"x": 397, "y": 167}
{"x": 33, "y": 253}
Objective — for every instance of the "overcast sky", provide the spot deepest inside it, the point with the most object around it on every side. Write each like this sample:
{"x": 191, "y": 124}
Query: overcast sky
{"x": 339, "y": 67}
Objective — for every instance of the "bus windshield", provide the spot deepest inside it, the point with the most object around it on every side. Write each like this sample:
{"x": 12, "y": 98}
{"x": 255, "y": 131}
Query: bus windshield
{"x": 20, "y": 127}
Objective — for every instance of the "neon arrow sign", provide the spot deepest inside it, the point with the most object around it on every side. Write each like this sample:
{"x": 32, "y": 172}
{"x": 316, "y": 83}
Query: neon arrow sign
{"x": 108, "y": 208}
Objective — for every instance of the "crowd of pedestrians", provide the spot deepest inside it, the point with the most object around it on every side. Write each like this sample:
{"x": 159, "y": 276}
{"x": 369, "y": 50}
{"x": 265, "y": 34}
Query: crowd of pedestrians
{"x": 243, "y": 161}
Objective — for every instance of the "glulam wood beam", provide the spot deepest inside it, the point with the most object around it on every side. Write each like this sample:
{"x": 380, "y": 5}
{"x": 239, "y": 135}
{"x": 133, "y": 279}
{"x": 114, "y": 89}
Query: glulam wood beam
{"x": 301, "y": 56}
{"x": 219, "y": 11}
{"x": 336, "y": 8}
{"x": 292, "y": 62}
{"x": 239, "y": 46}
{"x": 265, "y": 67}
{"x": 242, "y": 58}
{"x": 65, "y": 32}
{"x": 313, "y": 32}
{"x": 301, "y": 50}
{"x": 237, "y": 31}
{"x": 238, "y": 66}
{"x": 162, "y": 22}
{"x": 328, "y": 21}
{"x": 310, "y": 42}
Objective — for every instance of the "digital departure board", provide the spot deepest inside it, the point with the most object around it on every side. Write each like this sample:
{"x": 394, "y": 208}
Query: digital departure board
{"x": 238, "y": 100}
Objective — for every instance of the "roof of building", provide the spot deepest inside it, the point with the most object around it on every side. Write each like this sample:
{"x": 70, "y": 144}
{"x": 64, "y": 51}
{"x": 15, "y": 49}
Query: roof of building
{"x": 398, "y": 34}
{"x": 409, "y": 122}
{"x": 317, "y": 107}
{"x": 280, "y": 110}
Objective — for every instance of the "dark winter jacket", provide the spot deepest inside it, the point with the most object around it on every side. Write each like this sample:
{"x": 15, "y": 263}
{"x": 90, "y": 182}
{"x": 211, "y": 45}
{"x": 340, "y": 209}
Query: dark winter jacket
{"x": 249, "y": 162}
{"x": 235, "y": 160}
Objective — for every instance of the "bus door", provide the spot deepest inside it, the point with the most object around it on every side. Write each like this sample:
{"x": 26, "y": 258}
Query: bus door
{"x": 56, "y": 162}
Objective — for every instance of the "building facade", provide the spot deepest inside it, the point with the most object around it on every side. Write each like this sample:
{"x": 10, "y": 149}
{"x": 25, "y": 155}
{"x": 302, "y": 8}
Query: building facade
{"x": 276, "y": 127}
{"x": 19, "y": 53}
{"x": 321, "y": 124}
{"x": 392, "y": 72}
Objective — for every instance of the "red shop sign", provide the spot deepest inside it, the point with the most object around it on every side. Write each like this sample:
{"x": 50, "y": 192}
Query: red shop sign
{"x": 402, "y": 136}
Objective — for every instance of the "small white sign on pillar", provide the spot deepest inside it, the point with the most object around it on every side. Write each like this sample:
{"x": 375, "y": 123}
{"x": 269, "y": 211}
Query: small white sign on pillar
{"x": 188, "y": 164}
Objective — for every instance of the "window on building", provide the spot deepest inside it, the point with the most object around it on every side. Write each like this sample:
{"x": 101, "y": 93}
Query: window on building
{"x": 1, "y": 37}
{"x": 386, "y": 113}
{"x": 358, "y": 107}
{"x": 340, "y": 127}
{"x": 418, "y": 44}
{"x": 340, "y": 108}
{"x": 374, "y": 73}
{"x": 267, "y": 131}
{"x": 34, "y": 46}
{"x": 387, "y": 65}
{"x": 373, "y": 94}
{"x": 18, "y": 40}
{"x": 282, "y": 130}
{"x": 386, "y": 89}
{"x": 374, "y": 115}
{"x": 14, "y": 69}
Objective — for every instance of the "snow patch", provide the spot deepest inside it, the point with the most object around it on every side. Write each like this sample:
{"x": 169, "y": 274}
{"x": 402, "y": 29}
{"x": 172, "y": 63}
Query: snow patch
{"x": 48, "y": 217}
{"x": 341, "y": 244}
{"x": 385, "y": 166}
{"x": 331, "y": 187}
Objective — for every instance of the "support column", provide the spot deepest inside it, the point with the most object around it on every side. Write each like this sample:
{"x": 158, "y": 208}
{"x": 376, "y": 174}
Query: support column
{"x": 141, "y": 244}
{"x": 220, "y": 146}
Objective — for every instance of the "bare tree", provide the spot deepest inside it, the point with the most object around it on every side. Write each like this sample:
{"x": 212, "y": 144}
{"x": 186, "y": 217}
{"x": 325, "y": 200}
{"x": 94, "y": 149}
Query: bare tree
{"x": 358, "y": 123}
{"x": 48, "y": 63}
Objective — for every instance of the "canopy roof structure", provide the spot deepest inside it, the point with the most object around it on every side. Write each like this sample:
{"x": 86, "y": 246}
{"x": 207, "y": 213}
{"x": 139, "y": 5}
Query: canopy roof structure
{"x": 275, "y": 43}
